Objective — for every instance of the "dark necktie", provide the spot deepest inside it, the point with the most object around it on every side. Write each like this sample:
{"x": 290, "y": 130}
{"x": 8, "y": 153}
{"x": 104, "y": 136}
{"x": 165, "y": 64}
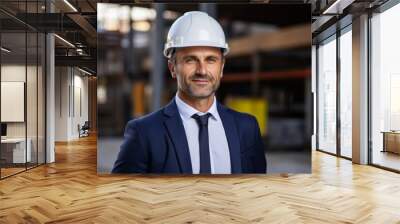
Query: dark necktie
{"x": 202, "y": 121}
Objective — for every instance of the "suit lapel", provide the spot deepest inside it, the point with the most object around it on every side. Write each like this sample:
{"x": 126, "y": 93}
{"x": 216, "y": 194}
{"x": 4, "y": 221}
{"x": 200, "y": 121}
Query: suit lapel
{"x": 176, "y": 132}
{"x": 232, "y": 136}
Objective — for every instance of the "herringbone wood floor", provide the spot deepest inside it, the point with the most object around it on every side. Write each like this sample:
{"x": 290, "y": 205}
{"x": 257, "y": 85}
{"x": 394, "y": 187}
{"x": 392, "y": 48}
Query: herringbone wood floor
{"x": 70, "y": 191}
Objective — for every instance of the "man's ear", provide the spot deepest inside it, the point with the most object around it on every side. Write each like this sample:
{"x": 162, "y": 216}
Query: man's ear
{"x": 222, "y": 68}
{"x": 171, "y": 67}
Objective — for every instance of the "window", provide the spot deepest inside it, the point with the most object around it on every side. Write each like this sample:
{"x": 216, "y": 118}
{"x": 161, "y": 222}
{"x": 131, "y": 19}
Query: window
{"x": 345, "y": 92}
{"x": 385, "y": 88}
{"x": 22, "y": 86}
{"x": 327, "y": 95}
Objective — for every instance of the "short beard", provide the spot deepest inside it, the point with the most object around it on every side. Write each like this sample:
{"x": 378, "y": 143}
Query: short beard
{"x": 189, "y": 90}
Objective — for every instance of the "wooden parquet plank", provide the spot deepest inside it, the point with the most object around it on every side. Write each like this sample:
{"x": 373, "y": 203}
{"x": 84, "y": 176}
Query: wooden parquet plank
{"x": 70, "y": 191}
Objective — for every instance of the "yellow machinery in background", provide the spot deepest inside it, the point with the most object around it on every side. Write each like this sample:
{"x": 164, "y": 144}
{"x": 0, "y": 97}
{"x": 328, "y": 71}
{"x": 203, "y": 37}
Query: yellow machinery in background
{"x": 257, "y": 107}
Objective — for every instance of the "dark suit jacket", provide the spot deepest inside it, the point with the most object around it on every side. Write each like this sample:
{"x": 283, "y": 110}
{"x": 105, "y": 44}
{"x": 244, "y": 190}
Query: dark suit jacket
{"x": 156, "y": 143}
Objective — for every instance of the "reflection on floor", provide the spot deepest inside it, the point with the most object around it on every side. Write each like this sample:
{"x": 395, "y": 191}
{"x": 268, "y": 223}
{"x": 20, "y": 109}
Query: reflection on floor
{"x": 10, "y": 169}
{"x": 347, "y": 152}
{"x": 387, "y": 159}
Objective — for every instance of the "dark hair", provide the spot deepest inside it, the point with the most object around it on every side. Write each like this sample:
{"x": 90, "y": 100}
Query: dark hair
{"x": 172, "y": 57}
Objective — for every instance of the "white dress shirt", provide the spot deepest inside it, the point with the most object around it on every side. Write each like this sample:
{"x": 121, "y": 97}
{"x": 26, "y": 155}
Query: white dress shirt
{"x": 218, "y": 144}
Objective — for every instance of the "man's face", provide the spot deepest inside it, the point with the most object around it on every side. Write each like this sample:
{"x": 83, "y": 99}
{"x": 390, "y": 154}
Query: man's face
{"x": 198, "y": 70}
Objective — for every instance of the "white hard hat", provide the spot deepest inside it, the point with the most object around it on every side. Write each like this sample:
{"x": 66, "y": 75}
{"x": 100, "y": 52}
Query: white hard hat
{"x": 195, "y": 29}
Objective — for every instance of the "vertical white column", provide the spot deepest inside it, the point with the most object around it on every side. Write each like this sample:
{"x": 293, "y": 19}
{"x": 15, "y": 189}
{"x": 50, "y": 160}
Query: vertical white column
{"x": 50, "y": 92}
{"x": 360, "y": 90}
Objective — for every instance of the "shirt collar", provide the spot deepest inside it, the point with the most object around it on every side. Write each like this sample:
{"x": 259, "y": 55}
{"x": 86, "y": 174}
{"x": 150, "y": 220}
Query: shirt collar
{"x": 186, "y": 111}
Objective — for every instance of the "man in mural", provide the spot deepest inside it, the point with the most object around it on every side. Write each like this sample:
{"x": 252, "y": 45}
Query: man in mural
{"x": 194, "y": 133}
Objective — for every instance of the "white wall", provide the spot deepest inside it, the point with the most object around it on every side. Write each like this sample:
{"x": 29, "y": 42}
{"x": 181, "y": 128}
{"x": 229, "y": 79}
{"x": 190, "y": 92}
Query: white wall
{"x": 71, "y": 93}
{"x": 16, "y": 73}
{"x": 81, "y": 100}
{"x": 61, "y": 103}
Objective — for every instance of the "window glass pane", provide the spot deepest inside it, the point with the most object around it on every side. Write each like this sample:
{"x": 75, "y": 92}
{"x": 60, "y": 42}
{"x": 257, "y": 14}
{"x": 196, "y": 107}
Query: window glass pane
{"x": 385, "y": 87}
{"x": 327, "y": 96}
{"x": 32, "y": 82}
{"x": 41, "y": 98}
{"x": 31, "y": 97}
{"x": 345, "y": 94}
{"x": 22, "y": 87}
{"x": 15, "y": 150}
